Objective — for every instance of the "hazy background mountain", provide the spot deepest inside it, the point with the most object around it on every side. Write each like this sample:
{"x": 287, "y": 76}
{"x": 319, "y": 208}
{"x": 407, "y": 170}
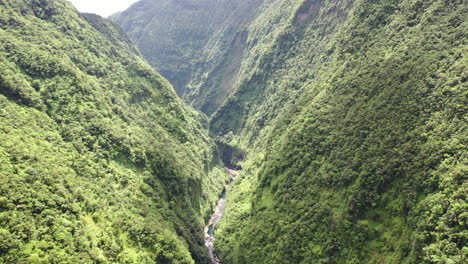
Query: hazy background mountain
{"x": 196, "y": 44}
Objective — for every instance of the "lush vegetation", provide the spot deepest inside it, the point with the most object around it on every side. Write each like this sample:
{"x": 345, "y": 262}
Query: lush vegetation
{"x": 100, "y": 161}
{"x": 348, "y": 119}
{"x": 353, "y": 116}
{"x": 199, "y": 51}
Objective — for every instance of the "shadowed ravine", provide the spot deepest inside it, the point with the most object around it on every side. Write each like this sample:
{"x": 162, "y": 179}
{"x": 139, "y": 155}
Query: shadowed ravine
{"x": 217, "y": 215}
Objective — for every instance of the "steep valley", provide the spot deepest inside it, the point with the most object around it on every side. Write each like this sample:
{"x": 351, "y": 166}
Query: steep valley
{"x": 344, "y": 124}
{"x": 349, "y": 119}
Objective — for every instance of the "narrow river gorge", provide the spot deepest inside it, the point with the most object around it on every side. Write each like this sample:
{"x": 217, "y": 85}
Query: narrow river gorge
{"x": 215, "y": 218}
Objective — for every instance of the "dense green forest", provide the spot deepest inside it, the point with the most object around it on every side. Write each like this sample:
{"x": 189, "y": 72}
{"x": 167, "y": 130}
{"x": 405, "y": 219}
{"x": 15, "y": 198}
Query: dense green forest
{"x": 347, "y": 120}
{"x": 353, "y": 115}
{"x": 100, "y": 162}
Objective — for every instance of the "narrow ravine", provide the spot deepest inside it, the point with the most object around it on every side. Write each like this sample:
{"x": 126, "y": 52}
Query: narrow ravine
{"x": 217, "y": 215}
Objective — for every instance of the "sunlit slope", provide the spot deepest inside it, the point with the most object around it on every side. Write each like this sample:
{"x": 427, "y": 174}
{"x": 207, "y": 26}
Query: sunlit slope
{"x": 100, "y": 161}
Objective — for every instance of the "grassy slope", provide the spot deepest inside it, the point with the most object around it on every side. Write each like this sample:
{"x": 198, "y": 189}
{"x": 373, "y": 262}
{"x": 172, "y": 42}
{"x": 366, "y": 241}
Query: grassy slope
{"x": 100, "y": 161}
{"x": 353, "y": 117}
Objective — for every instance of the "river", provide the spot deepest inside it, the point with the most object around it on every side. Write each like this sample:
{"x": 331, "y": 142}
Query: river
{"x": 215, "y": 217}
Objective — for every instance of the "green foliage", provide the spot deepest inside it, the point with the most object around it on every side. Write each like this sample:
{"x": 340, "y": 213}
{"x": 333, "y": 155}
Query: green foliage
{"x": 100, "y": 162}
{"x": 353, "y": 118}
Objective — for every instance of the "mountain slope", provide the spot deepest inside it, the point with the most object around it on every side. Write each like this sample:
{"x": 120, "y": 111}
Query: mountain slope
{"x": 353, "y": 118}
{"x": 100, "y": 161}
{"x": 196, "y": 44}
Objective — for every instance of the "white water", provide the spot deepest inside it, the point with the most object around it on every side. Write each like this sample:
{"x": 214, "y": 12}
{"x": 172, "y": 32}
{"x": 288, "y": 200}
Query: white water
{"x": 217, "y": 215}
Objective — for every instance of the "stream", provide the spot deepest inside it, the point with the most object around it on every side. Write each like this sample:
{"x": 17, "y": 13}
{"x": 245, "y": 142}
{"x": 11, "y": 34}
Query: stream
{"x": 217, "y": 215}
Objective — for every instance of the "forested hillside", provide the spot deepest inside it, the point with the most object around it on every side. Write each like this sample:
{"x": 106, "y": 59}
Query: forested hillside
{"x": 196, "y": 44}
{"x": 353, "y": 117}
{"x": 100, "y": 162}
